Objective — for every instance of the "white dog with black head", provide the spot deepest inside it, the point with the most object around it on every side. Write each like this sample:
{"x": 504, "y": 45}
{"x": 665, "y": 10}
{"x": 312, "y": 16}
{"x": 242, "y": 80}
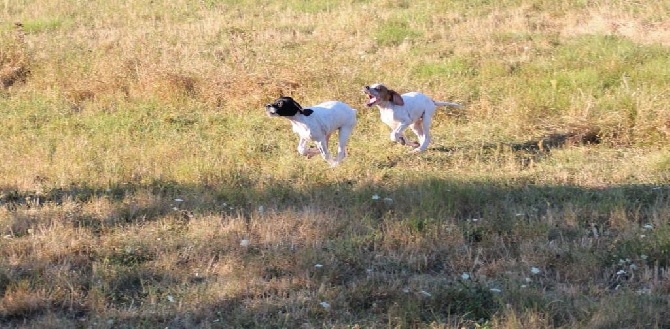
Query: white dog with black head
{"x": 317, "y": 123}
{"x": 412, "y": 110}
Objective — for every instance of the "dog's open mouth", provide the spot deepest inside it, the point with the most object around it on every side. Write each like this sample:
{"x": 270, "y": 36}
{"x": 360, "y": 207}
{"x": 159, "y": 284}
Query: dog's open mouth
{"x": 371, "y": 100}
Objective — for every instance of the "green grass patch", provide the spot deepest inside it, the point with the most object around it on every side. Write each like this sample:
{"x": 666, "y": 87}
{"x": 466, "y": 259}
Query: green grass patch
{"x": 450, "y": 68}
{"x": 394, "y": 32}
{"x": 46, "y": 25}
{"x": 313, "y": 7}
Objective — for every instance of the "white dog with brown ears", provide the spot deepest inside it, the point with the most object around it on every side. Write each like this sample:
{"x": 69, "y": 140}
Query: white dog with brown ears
{"x": 414, "y": 110}
{"x": 317, "y": 123}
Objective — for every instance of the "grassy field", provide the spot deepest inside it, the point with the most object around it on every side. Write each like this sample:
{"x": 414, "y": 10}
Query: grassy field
{"x": 142, "y": 185}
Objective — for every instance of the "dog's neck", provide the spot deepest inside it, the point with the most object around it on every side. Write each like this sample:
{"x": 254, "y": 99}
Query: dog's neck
{"x": 299, "y": 117}
{"x": 300, "y": 120}
{"x": 385, "y": 105}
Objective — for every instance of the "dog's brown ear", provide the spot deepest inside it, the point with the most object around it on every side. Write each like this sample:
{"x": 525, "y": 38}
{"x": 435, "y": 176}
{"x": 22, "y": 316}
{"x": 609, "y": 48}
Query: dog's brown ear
{"x": 396, "y": 98}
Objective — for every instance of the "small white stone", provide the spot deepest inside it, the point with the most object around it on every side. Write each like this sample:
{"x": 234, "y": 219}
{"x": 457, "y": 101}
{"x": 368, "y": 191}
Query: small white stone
{"x": 178, "y": 200}
{"x": 170, "y": 299}
{"x": 535, "y": 270}
{"x": 465, "y": 276}
{"x": 325, "y": 305}
{"x": 318, "y": 266}
{"x": 375, "y": 197}
{"x": 244, "y": 243}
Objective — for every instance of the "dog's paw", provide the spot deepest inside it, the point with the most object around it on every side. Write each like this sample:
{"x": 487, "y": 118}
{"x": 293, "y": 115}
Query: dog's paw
{"x": 413, "y": 144}
{"x": 398, "y": 138}
{"x": 417, "y": 150}
{"x": 333, "y": 163}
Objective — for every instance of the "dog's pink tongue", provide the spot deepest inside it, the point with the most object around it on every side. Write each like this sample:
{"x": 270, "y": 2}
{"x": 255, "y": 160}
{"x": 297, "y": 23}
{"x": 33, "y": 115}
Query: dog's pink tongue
{"x": 371, "y": 101}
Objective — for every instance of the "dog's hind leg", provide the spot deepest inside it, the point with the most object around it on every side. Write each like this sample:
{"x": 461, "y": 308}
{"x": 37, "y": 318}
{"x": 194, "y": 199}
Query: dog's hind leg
{"x": 343, "y": 139}
{"x": 417, "y": 128}
{"x": 422, "y": 129}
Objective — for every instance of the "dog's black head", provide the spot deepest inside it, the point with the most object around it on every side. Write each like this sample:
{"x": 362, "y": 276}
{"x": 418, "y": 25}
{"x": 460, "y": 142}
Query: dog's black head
{"x": 286, "y": 107}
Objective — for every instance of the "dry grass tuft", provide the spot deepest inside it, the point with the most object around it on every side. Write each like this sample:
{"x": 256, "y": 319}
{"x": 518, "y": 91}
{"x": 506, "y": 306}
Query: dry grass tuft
{"x": 14, "y": 62}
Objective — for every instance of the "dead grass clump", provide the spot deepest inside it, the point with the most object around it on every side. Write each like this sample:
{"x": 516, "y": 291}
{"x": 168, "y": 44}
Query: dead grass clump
{"x": 223, "y": 90}
{"x": 582, "y": 135}
{"x": 614, "y": 21}
{"x": 103, "y": 88}
{"x": 181, "y": 84}
{"x": 11, "y": 74}
{"x": 78, "y": 97}
{"x": 20, "y": 300}
{"x": 156, "y": 83}
{"x": 14, "y": 63}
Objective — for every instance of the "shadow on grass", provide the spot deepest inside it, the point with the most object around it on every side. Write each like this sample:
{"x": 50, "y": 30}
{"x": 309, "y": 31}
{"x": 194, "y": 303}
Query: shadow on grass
{"x": 534, "y": 150}
{"x": 487, "y": 214}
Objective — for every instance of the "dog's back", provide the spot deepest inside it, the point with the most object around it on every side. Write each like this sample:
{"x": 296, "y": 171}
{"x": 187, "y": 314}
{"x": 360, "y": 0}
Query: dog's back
{"x": 334, "y": 115}
{"x": 417, "y": 104}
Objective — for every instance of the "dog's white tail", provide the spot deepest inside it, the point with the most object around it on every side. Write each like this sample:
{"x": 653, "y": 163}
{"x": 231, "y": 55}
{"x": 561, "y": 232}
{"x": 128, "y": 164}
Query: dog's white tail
{"x": 438, "y": 103}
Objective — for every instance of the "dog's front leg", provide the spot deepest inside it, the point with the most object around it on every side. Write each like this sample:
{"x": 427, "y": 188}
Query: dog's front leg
{"x": 397, "y": 134}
